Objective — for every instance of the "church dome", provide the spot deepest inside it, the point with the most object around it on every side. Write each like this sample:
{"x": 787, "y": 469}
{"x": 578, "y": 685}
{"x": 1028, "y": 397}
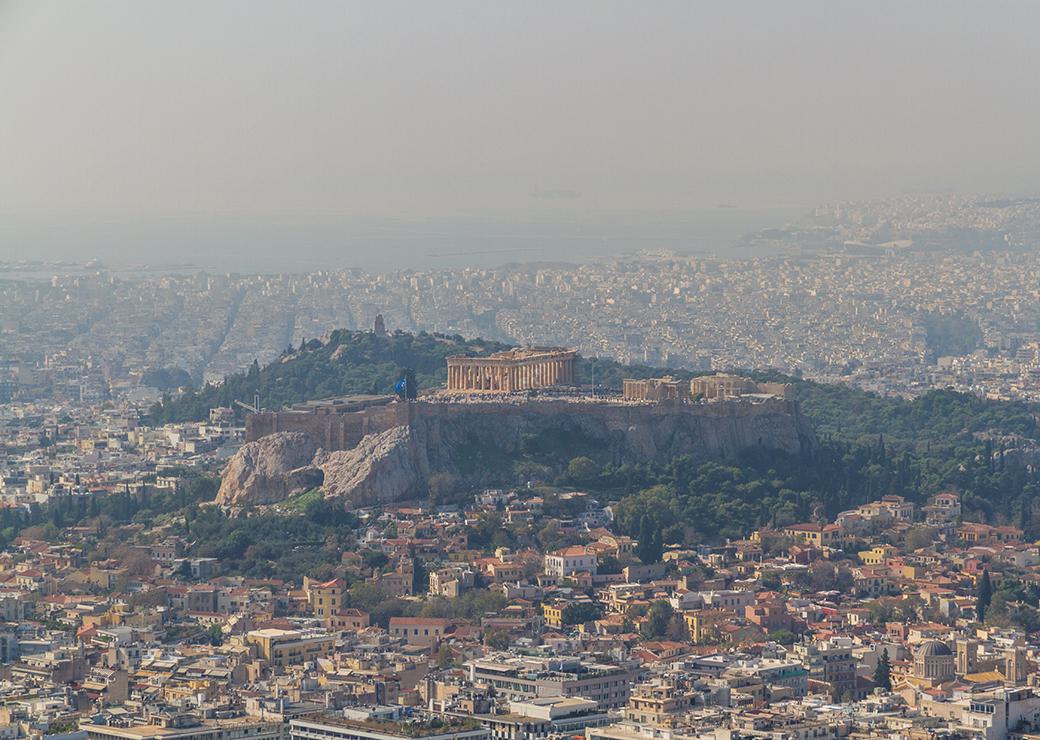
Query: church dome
{"x": 933, "y": 648}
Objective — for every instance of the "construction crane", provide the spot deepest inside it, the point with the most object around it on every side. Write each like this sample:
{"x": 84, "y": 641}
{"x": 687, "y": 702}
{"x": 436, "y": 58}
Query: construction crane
{"x": 255, "y": 408}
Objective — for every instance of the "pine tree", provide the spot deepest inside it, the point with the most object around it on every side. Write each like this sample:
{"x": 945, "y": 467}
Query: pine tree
{"x": 883, "y": 672}
{"x": 983, "y": 595}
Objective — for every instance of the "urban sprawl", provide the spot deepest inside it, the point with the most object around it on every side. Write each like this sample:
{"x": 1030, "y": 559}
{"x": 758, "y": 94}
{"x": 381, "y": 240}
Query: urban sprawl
{"x": 520, "y": 613}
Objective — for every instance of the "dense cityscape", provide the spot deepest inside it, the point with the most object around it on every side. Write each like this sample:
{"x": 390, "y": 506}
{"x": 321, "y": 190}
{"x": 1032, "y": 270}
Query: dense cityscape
{"x": 462, "y": 370}
{"x": 856, "y": 307}
{"x": 141, "y": 602}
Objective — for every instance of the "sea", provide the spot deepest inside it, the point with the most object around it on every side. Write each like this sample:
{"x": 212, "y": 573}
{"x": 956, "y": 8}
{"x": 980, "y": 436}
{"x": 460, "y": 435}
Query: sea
{"x": 386, "y": 245}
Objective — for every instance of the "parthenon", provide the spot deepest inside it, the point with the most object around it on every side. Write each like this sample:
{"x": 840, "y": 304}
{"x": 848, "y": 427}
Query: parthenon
{"x": 517, "y": 369}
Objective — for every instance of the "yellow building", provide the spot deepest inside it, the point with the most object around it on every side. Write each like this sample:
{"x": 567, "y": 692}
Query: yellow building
{"x": 877, "y": 555}
{"x": 325, "y": 597}
{"x": 705, "y": 625}
{"x": 285, "y": 647}
{"x": 553, "y": 615}
{"x": 817, "y": 535}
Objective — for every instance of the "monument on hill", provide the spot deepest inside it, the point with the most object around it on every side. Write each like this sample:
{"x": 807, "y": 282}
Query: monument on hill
{"x": 517, "y": 369}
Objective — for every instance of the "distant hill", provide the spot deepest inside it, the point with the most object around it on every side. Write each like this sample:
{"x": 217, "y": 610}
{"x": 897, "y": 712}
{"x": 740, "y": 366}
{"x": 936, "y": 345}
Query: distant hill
{"x": 348, "y": 362}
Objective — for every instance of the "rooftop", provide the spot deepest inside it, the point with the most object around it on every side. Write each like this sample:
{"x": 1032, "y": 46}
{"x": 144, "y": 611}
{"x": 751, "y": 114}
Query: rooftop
{"x": 410, "y": 728}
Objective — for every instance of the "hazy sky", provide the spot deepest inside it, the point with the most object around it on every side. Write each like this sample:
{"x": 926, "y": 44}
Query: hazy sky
{"x": 297, "y": 110}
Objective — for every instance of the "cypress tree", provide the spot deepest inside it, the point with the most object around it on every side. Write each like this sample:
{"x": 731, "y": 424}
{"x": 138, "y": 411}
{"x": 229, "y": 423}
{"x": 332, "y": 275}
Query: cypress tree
{"x": 983, "y": 595}
{"x": 649, "y": 549}
{"x": 883, "y": 672}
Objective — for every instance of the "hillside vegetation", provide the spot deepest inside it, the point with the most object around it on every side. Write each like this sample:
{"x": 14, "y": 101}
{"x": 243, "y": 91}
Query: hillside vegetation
{"x": 348, "y": 363}
{"x": 869, "y": 446}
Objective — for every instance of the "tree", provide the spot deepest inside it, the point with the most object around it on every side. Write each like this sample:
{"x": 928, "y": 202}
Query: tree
{"x": 783, "y": 637}
{"x": 374, "y": 559}
{"x": 442, "y": 486}
{"x": 918, "y": 537}
{"x": 983, "y": 596}
{"x": 420, "y": 578}
{"x": 883, "y": 672}
{"x": 580, "y": 613}
{"x": 677, "y": 631}
{"x": 407, "y": 388}
{"x": 649, "y": 549}
{"x": 657, "y": 619}
{"x": 215, "y": 635}
{"x": 445, "y": 658}
{"x": 582, "y": 469}
{"x": 497, "y": 640}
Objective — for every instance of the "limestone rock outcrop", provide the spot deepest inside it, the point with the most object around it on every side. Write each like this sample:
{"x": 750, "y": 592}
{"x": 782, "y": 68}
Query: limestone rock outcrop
{"x": 383, "y": 468}
{"x": 268, "y": 470}
{"x": 394, "y": 449}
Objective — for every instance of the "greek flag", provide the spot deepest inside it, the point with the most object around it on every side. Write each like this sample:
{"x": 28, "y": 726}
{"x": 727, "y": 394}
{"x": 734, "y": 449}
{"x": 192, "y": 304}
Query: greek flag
{"x": 401, "y": 386}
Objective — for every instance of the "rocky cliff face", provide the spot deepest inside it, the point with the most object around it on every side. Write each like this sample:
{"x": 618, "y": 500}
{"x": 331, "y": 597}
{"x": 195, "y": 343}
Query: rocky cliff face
{"x": 382, "y": 468}
{"x": 268, "y": 470}
{"x": 624, "y": 433}
{"x": 466, "y": 440}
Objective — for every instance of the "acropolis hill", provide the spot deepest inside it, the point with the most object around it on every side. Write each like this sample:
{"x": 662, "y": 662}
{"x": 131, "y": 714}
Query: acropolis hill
{"x": 372, "y": 449}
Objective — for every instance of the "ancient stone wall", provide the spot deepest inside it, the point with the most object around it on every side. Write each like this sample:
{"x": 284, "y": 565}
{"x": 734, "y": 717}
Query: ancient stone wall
{"x": 720, "y": 427}
{"x": 330, "y": 431}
